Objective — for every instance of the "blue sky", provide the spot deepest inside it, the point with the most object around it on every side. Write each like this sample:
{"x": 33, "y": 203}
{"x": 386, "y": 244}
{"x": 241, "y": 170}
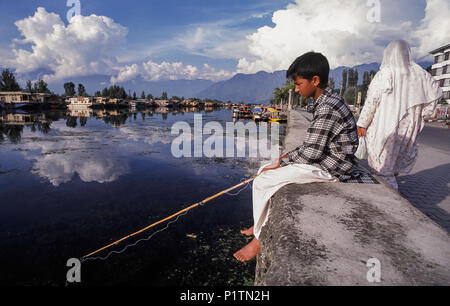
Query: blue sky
{"x": 152, "y": 23}
{"x": 175, "y": 39}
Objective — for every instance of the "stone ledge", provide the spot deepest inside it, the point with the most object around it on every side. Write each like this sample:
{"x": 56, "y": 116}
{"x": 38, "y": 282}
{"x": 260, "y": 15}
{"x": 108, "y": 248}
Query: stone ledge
{"x": 324, "y": 234}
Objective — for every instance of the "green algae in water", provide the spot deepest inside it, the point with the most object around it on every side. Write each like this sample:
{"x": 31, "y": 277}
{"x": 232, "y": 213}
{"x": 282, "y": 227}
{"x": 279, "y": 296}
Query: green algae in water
{"x": 210, "y": 261}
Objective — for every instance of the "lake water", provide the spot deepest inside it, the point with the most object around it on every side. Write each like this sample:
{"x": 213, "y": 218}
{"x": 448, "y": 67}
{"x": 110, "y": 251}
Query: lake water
{"x": 74, "y": 181}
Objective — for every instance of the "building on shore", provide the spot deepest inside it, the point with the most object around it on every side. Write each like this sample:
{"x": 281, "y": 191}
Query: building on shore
{"x": 441, "y": 69}
{"x": 14, "y": 99}
{"x": 100, "y": 100}
{"x": 163, "y": 103}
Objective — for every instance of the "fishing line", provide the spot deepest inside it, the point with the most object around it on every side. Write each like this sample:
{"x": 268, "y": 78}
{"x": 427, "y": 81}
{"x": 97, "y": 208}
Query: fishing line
{"x": 182, "y": 212}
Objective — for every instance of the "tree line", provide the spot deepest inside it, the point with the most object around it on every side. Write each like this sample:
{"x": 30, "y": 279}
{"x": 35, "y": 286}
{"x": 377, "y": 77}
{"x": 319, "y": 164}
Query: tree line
{"x": 348, "y": 89}
{"x": 8, "y": 82}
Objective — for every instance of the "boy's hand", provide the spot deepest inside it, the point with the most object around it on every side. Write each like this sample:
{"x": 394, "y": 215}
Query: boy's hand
{"x": 274, "y": 165}
{"x": 361, "y": 132}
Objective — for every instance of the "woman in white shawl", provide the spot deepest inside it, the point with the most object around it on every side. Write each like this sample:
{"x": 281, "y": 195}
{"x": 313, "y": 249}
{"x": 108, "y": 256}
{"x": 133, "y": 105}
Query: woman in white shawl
{"x": 399, "y": 97}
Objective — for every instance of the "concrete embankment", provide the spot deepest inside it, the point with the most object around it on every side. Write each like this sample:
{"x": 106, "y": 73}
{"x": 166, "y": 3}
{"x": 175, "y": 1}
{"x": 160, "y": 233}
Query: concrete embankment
{"x": 348, "y": 234}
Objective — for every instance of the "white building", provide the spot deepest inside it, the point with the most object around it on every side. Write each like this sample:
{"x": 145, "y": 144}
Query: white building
{"x": 441, "y": 69}
{"x": 80, "y": 101}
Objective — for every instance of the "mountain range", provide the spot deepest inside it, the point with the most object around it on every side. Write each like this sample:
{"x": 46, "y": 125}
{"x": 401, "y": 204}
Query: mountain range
{"x": 247, "y": 88}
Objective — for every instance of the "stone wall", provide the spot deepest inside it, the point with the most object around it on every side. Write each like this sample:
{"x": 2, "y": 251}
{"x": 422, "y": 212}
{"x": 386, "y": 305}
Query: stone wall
{"x": 325, "y": 234}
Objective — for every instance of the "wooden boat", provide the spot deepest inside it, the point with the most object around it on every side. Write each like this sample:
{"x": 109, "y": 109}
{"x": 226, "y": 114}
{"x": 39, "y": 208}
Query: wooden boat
{"x": 258, "y": 114}
{"x": 275, "y": 115}
{"x": 242, "y": 112}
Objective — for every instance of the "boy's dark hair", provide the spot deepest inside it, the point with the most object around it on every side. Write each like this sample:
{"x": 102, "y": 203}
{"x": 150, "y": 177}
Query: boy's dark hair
{"x": 308, "y": 65}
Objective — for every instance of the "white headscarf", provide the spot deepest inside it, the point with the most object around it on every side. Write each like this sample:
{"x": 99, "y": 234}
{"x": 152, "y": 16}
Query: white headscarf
{"x": 402, "y": 84}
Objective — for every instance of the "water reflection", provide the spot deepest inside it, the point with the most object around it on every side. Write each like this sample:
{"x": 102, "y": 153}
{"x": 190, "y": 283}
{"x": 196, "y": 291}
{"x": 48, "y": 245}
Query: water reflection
{"x": 93, "y": 175}
{"x": 60, "y": 158}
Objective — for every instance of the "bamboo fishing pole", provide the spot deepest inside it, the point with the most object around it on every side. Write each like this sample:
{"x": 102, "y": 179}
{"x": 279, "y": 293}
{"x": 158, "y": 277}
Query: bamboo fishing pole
{"x": 171, "y": 217}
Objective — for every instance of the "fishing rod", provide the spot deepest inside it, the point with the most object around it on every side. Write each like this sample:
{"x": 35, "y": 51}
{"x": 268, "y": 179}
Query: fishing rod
{"x": 172, "y": 216}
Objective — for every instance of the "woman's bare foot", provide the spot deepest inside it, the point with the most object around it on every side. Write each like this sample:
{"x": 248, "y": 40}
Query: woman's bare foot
{"x": 249, "y": 251}
{"x": 248, "y": 232}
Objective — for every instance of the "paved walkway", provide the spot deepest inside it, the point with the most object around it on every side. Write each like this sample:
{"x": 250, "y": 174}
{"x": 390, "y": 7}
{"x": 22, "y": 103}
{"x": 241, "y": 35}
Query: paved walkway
{"x": 427, "y": 187}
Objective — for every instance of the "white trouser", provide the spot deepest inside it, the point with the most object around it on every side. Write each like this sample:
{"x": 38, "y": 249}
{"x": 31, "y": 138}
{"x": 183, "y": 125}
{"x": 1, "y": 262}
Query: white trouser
{"x": 269, "y": 182}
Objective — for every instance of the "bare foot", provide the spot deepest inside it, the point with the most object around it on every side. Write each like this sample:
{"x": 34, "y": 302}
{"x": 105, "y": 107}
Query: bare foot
{"x": 248, "y": 232}
{"x": 249, "y": 251}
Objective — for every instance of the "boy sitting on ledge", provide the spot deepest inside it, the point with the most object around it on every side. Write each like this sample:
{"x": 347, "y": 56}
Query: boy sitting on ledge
{"x": 327, "y": 154}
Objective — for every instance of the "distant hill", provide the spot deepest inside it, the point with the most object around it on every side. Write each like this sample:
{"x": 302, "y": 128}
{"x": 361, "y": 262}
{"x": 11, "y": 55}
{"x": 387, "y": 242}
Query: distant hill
{"x": 180, "y": 88}
{"x": 258, "y": 88}
{"x": 255, "y": 88}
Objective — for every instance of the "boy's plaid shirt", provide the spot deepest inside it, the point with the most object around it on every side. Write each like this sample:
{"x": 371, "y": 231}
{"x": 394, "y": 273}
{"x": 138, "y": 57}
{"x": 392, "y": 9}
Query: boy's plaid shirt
{"x": 331, "y": 141}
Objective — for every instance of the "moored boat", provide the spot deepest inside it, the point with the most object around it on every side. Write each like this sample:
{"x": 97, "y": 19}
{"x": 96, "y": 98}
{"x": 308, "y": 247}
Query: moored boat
{"x": 275, "y": 115}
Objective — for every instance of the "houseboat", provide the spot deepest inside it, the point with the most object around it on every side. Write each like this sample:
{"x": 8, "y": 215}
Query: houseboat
{"x": 163, "y": 103}
{"x": 190, "y": 103}
{"x": 115, "y": 102}
{"x": 243, "y": 112}
{"x": 142, "y": 103}
{"x": 80, "y": 101}
{"x": 14, "y": 99}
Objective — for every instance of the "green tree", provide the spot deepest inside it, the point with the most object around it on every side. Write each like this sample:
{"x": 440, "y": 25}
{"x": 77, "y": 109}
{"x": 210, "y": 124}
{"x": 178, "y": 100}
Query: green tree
{"x": 134, "y": 96}
{"x": 81, "y": 90}
{"x": 143, "y": 95}
{"x": 105, "y": 92}
{"x": 344, "y": 81}
{"x": 150, "y": 96}
{"x": 164, "y": 96}
{"x": 29, "y": 86}
{"x": 350, "y": 95}
{"x": 365, "y": 86}
{"x": 8, "y": 81}
{"x": 42, "y": 87}
{"x": 352, "y": 78}
{"x": 69, "y": 89}
{"x": 282, "y": 93}
{"x": 331, "y": 83}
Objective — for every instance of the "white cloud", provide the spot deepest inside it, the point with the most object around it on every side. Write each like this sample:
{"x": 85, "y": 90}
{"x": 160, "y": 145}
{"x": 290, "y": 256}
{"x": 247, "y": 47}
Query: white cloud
{"x": 434, "y": 30}
{"x": 126, "y": 73}
{"x": 151, "y": 71}
{"x": 342, "y": 32}
{"x": 84, "y": 47}
{"x": 80, "y": 48}
{"x": 218, "y": 40}
{"x": 68, "y": 153}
